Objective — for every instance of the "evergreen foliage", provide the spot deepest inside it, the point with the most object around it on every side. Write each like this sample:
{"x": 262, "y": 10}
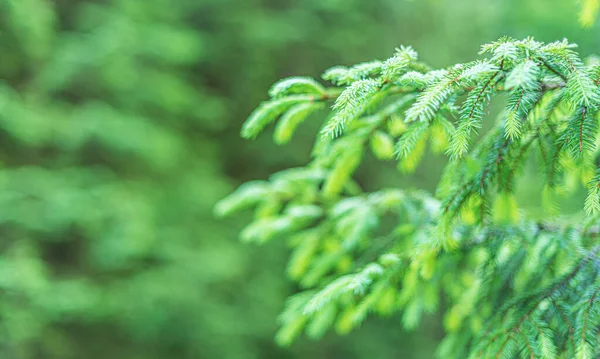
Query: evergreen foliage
{"x": 92, "y": 262}
{"x": 508, "y": 286}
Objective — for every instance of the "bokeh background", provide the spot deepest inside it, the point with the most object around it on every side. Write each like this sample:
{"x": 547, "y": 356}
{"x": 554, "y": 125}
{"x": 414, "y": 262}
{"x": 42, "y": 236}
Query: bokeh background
{"x": 119, "y": 124}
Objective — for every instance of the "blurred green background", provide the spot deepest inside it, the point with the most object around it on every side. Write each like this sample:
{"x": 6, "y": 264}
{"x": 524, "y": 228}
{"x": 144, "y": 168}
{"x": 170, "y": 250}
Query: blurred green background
{"x": 119, "y": 124}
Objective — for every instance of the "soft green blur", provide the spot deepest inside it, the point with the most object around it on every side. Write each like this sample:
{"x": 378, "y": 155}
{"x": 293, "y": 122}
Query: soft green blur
{"x": 119, "y": 124}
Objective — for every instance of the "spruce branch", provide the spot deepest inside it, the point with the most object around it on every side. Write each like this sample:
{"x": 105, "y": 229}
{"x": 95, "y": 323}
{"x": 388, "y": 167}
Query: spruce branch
{"x": 514, "y": 286}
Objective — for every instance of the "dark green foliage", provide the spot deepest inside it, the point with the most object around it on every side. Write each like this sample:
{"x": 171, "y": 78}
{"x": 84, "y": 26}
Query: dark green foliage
{"x": 102, "y": 220}
{"x": 512, "y": 286}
